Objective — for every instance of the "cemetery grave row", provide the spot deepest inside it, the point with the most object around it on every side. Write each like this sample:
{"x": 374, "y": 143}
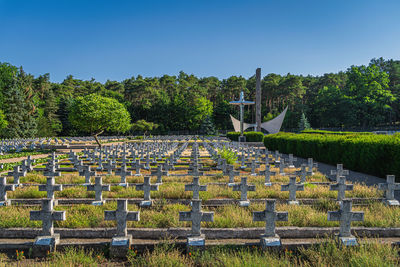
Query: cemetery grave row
{"x": 165, "y": 183}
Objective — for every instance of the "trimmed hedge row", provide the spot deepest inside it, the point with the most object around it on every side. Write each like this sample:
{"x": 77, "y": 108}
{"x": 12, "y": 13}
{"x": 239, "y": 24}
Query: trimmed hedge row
{"x": 337, "y": 133}
{"x": 250, "y": 136}
{"x": 373, "y": 154}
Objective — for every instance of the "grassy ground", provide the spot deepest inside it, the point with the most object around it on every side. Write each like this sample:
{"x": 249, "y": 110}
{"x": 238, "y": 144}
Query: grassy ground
{"x": 367, "y": 254}
{"x": 163, "y": 215}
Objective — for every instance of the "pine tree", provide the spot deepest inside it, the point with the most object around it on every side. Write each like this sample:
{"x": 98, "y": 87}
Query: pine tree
{"x": 303, "y": 123}
{"x": 207, "y": 126}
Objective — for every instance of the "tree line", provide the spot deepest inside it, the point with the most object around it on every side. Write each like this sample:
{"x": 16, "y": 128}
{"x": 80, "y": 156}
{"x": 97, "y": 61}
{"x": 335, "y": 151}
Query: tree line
{"x": 362, "y": 96}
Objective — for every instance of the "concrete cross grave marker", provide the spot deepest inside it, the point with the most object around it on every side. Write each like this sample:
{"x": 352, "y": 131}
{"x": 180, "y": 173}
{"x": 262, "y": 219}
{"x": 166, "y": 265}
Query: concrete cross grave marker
{"x": 243, "y": 187}
{"x": 195, "y": 172}
{"x": 47, "y": 240}
{"x": 123, "y": 172}
{"x": 98, "y": 189}
{"x": 87, "y": 173}
{"x": 121, "y": 243}
{"x": 341, "y": 187}
{"x": 4, "y": 187}
{"x": 292, "y": 187}
{"x": 47, "y": 215}
{"x": 196, "y": 216}
{"x": 137, "y": 166}
{"x": 146, "y": 187}
{"x": 291, "y": 161}
{"x": 311, "y": 165}
{"x": 303, "y": 173}
{"x": 232, "y": 173}
{"x": 389, "y": 187}
{"x": 345, "y": 216}
{"x": 109, "y": 166}
{"x": 282, "y": 167}
{"x": 339, "y": 172}
{"x": 17, "y": 173}
{"x": 51, "y": 171}
{"x": 50, "y": 187}
{"x": 254, "y": 165}
{"x": 267, "y": 174}
{"x": 270, "y": 216}
{"x": 159, "y": 173}
{"x": 195, "y": 187}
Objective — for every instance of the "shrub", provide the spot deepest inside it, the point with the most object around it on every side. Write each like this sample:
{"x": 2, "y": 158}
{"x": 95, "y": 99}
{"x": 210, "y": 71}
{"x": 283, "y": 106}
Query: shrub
{"x": 373, "y": 154}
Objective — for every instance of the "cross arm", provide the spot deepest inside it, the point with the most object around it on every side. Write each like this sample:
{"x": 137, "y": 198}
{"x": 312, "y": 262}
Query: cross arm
{"x": 259, "y": 216}
{"x": 35, "y": 215}
{"x": 334, "y": 215}
{"x": 357, "y": 216}
{"x": 185, "y": 216}
{"x": 207, "y": 217}
{"x": 110, "y": 215}
{"x": 282, "y": 216}
{"x": 133, "y": 216}
{"x": 58, "y": 216}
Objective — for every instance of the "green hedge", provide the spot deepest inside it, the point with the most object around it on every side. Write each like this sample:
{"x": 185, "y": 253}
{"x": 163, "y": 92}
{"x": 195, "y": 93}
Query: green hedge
{"x": 336, "y": 133}
{"x": 373, "y": 154}
{"x": 250, "y": 136}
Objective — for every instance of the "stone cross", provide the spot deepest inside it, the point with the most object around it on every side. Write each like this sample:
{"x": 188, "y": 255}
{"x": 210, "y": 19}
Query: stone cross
{"x": 243, "y": 187}
{"x": 269, "y": 216}
{"x": 146, "y": 187}
{"x": 98, "y": 189}
{"x": 121, "y": 215}
{"x": 28, "y": 164}
{"x": 17, "y": 173}
{"x": 4, "y": 187}
{"x": 345, "y": 216}
{"x": 47, "y": 215}
{"x": 50, "y": 187}
{"x": 195, "y": 187}
{"x": 267, "y": 174}
{"x": 195, "y": 172}
{"x": 51, "y": 171}
{"x": 123, "y": 172}
{"x": 109, "y": 166}
{"x": 311, "y": 165}
{"x": 292, "y": 187}
{"x": 282, "y": 166}
{"x": 339, "y": 172}
{"x": 253, "y": 168}
{"x": 291, "y": 161}
{"x": 232, "y": 173}
{"x": 196, "y": 216}
{"x": 87, "y": 173}
{"x": 303, "y": 173}
{"x": 159, "y": 173}
{"x": 341, "y": 187}
{"x": 389, "y": 187}
{"x": 137, "y": 167}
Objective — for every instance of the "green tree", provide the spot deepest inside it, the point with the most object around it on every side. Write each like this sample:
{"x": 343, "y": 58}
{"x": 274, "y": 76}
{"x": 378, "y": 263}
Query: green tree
{"x": 144, "y": 126}
{"x": 3, "y": 121}
{"x": 303, "y": 123}
{"x": 95, "y": 114}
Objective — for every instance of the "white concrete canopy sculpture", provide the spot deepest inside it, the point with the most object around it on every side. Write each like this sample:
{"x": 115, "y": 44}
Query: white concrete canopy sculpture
{"x": 271, "y": 126}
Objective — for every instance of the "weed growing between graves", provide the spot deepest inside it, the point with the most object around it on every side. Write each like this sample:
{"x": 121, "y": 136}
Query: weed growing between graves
{"x": 163, "y": 215}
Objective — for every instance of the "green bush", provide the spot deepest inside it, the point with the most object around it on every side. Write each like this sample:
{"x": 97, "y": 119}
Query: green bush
{"x": 373, "y": 154}
{"x": 250, "y": 136}
{"x": 310, "y": 131}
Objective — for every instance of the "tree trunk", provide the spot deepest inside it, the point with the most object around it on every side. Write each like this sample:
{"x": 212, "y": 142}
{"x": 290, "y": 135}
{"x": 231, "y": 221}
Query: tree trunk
{"x": 97, "y": 140}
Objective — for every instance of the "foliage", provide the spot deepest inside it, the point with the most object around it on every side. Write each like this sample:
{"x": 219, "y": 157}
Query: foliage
{"x": 373, "y": 154}
{"x": 95, "y": 114}
{"x": 303, "y": 123}
{"x": 359, "y": 97}
{"x": 310, "y": 131}
{"x": 228, "y": 154}
{"x": 144, "y": 126}
{"x": 207, "y": 126}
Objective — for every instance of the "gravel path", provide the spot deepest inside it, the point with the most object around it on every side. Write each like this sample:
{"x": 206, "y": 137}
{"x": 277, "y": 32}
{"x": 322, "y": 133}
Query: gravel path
{"x": 11, "y": 160}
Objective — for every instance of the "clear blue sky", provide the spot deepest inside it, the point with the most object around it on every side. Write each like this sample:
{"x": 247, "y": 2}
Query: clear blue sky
{"x": 116, "y": 39}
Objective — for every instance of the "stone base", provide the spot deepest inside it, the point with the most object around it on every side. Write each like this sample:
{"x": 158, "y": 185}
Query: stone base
{"x": 5, "y": 203}
{"x": 244, "y": 203}
{"x": 270, "y": 242}
{"x": 243, "y": 167}
{"x": 392, "y": 202}
{"x": 293, "y": 202}
{"x": 43, "y": 245}
{"x": 120, "y": 246}
{"x": 137, "y": 174}
{"x": 253, "y": 174}
{"x": 145, "y": 203}
{"x": 98, "y": 203}
{"x": 268, "y": 184}
{"x": 195, "y": 243}
{"x": 282, "y": 174}
{"x": 123, "y": 184}
{"x": 347, "y": 241}
{"x": 231, "y": 184}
